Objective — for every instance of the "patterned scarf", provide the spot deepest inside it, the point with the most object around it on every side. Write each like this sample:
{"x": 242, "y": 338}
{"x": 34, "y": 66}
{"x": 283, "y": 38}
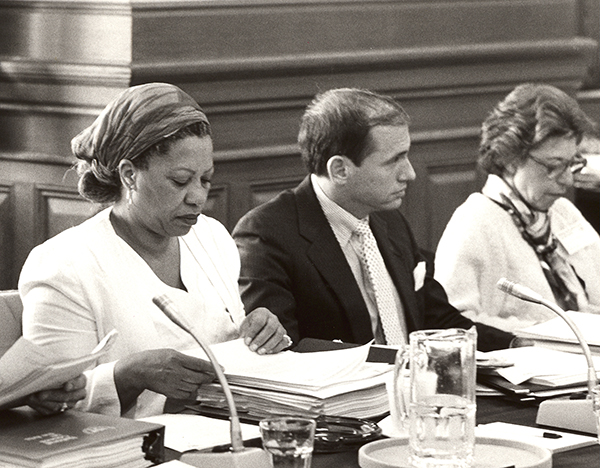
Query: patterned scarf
{"x": 534, "y": 226}
{"x": 138, "y": 118}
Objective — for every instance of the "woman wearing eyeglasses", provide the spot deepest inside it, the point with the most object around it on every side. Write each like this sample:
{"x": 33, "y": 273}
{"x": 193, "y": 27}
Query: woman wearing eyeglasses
{"x": 521, "y": 226}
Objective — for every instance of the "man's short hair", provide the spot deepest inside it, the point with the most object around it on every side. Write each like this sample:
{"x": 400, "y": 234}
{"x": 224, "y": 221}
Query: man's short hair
{"x": 338, "y": 121}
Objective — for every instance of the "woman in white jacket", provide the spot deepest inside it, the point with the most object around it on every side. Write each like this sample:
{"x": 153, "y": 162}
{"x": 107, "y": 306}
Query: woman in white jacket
{"x": 149, "y": 157}
{"x": 521, "y": 226}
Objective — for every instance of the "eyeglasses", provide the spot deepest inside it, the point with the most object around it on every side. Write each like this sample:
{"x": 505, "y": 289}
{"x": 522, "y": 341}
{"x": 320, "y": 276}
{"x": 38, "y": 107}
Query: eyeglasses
{"x": 575, "y": 165}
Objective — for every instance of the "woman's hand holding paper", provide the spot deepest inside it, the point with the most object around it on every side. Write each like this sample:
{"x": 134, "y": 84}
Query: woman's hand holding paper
{"x": 263, "y": 333}
{"x": 165, "y": 371}
{"x": 58, "y": 399}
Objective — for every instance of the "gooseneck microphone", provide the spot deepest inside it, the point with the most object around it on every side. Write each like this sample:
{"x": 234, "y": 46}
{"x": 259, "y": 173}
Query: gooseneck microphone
{"x": 527, "y": 294}
{"x": 239, "y": 456}
{"x": 576, "y": 415}
{"x": 168, "y": 308}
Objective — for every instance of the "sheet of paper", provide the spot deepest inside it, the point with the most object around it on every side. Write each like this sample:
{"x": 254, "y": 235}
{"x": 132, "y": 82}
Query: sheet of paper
{"x": 185, "y": 432}
{"x": 28, "y": 368}
{"x": 175, "y": 464}
{"x": 557, "y": 329}
{"x": 389, "y": 428}
{"x": 322, "y": 392}
{"x": 554, "y": 366}
{"x": 305, "y": 370}
{"x": 557, "y": 441}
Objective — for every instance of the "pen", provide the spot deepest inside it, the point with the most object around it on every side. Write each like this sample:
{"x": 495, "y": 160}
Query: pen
{"x": 551, "y": 435}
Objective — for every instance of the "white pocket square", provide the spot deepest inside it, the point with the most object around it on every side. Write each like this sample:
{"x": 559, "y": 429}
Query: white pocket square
{"x": 419, "y": 275}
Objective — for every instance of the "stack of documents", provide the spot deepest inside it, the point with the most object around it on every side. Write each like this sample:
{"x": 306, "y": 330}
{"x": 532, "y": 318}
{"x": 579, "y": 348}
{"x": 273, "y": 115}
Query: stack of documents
{"x": 556, "y": 333}
{"x": 538, "y": 372}
{"x": 336, "y": 383}
{"x": 77, "y": 440}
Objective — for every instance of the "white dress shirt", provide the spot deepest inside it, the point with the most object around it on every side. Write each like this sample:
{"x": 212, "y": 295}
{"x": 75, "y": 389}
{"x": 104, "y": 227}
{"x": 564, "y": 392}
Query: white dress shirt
{"x": 344, "y": 226}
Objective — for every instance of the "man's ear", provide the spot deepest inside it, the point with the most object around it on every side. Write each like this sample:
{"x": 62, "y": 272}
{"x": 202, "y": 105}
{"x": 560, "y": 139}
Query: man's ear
{"x": 338, "y": 168}
{"x": 127, "y": 173}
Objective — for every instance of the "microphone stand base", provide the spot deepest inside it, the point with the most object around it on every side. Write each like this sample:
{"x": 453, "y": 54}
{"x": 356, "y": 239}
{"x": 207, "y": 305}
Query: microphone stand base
{"x": 251, "y": 457}
{"x": 576, "y": 415}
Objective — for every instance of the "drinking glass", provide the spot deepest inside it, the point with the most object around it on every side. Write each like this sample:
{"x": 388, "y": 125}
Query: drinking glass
{"x": 434, "y": 397}
{"x": 289, "y": 440}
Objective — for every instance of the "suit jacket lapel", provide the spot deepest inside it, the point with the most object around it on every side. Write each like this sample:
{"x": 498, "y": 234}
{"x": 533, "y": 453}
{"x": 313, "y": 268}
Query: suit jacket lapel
{"x": 329, "y": 260}
{"x": 399, "y": 266}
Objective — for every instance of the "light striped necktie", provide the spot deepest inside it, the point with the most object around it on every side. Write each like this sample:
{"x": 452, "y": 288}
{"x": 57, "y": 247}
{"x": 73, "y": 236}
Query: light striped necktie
{"x": 384, "y": 298}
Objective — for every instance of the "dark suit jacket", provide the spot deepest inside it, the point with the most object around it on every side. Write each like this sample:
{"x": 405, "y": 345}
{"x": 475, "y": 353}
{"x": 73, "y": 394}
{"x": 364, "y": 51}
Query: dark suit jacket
{"x": 293, "y": 265}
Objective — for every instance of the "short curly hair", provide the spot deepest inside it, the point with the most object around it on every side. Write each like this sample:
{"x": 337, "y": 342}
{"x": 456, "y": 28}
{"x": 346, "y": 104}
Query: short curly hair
{"x": 523, "y": 120}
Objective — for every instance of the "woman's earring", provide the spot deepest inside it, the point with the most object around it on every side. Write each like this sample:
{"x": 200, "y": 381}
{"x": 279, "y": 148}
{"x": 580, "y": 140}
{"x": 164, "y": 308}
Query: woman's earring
{"x": 129, "y": 198}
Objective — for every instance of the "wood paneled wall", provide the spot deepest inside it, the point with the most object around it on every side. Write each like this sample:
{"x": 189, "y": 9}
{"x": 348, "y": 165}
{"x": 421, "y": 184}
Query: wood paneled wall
{"x": 254, "y": 65}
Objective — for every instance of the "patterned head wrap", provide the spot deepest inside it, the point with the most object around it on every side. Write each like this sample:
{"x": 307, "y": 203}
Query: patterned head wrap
{"x": 134, "y": 121}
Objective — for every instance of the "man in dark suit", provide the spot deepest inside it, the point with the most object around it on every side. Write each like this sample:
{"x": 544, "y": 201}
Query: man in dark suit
{"x": 302, "y": 256}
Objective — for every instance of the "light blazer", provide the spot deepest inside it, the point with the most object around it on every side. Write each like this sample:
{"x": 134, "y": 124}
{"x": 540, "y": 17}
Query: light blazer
{"x": 292, "y": 264}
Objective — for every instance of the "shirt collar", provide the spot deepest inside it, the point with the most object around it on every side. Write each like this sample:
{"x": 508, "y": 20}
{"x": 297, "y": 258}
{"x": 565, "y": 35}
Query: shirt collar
{"x": 342, "y": 222}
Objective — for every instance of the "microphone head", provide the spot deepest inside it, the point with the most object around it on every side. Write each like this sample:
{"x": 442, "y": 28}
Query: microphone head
{"x": 162, "y": 301}
{"x": 165, "y": 304}
{"x": 517, "y": 290}
{"x": 505, "y": 285}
